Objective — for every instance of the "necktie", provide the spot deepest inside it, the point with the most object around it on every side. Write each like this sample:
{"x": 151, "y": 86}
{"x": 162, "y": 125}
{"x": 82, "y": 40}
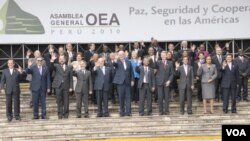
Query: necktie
{"x": 220, "y": 60}
{"x": 103, "y": 70}
{"x": 185, "y": 68}
{"x": 146, "y": 75}
{"x": 124, "y": 65}
{"x": 164, "y": 64}
{"x": 63, "y": 67}
{"x": 242, "y": 59}
{"x": 40, "y": 70}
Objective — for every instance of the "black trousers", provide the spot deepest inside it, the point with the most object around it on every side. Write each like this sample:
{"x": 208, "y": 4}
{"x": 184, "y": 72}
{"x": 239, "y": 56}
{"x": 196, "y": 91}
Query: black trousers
{"x": 135, "y": 91}
{"x": 163, "y": 98}
{"x": 62, "y": 99}
{"x": 185, "y": 93}
{"x": 243, "y": 84}
{"x": 227, "y": 92}
{"x": 9, "y": 100}
{"x": 145, "y": 94}
{"x": 218, "y": 89}
{"x": 102, "y": 102}
{"x": 199, "y": 90}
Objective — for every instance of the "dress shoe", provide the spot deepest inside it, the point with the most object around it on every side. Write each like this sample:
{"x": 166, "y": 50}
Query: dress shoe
{"x": 121, "y": 115}
{"x": 99, "y": 115}
{"x": 86, "y": 116}
{"x": 66, "y": 117}
{"x": 9, "y": 119}
{"x": 161, "y": 113}
{"x": 246, "y": 100}
{"x": 190, "y": 113}
{"x": 106, "y": 115}
{"x": 78, "y": 117}
{"x": 18, "y": 118}
{"x": 166, "y": 113}
{"x": 225, "y": 111}
{"x": 128, "y": 115}
{"x": 141, "y": 114}
{"x": 36, "y": 117}
{"x": 44, "y": 117}
{"x": 60, "y": 117}
{"x": 234, "y": 112}
{"x": 182, "y": 113}
{"x": 149, "y": 114}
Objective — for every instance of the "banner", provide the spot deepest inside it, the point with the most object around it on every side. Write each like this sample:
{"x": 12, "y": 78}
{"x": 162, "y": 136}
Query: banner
{"x": 84, "y": 21}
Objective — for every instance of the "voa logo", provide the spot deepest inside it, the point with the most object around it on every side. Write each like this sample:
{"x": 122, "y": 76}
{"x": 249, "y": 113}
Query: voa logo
{"x": 236, "y": 132}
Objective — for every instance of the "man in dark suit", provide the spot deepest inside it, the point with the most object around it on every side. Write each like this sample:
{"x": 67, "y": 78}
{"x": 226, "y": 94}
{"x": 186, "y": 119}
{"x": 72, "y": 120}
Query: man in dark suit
{"x": 164, "y": 76}
{"x": 10, "y": 82}
{"x": 146, "y": 85}
{"x": 229, "y": 82}
{"x": 83, "y": 88}
{"x": 101, "y": 87}
{"x": 218, "y": 59}
{"x": 124, "y": 79}
{"x": 105, "y": 53}
{"x": 40, "y": 84}
{"x": 190, "y": 52}
{"x": 244, "y": 69}
{"x": 70, "y": 53}
{"x": 110, "y": 64}
{"x": 186, "y": 84}
{"x": 89, "y": 53}
{"x": 63, "y": 84}
{"x": 157, "y": 49}
{"x": 136, "y": 48}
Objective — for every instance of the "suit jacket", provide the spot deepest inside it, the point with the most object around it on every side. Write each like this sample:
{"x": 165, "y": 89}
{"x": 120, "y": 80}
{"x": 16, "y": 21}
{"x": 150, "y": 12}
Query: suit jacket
{"x": 140, "y": 53}
{"x": 121, "y": 74}
{"x": 163, "y": 75}
{"x": 84, "y": 81}
{"x": 152, "y": 64}
{"x": 10, "y": 82}
{"x": 207, "y": 73}
{"x": 87, "y": 55}
{"x": 102, "y": 81}
{"x": 62, "y": 77}
{"x": 186, "y": 81}
{"x": 73, "y": 56}
{"x": 151, "y": 76}
{"x": 230, "y": 77}
{"x": 243, "y": 66}
{"x": 39, "y": 81}
{"x": 23, "y": 22}
{"x": 218, "y": 65}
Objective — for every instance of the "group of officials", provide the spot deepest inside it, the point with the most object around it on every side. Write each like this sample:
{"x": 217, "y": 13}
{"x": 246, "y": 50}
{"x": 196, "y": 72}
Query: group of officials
{"x": 144, "y": 74}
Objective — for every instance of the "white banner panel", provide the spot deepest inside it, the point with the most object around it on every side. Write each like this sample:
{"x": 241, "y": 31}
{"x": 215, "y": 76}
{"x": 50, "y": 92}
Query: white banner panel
{"x": 84, "y": 21}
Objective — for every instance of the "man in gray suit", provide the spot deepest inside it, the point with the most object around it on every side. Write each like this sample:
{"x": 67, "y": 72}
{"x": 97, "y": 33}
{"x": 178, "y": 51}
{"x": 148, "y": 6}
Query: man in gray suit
{"x": 186, "y": 84}
{"x": 146, "y": 85}
{"x": 101, "y": 86}
{"x": 124, "y": 79}
{"x": 10, "y": 81}
{"x": 63, "y": 84}
{"x": 83, "y": 89}
{"x": 164, "y": 76}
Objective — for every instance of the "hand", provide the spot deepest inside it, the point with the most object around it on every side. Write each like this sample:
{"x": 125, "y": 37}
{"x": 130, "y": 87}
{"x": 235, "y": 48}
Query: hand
{"x": 139, "y": 61}
{"x": 167, "y": 83}
{"x": 20, "y": 70}
{"x": 2, "y": 91}
{"x": 28, "y": 53}
{"x": 210, "y": 80}
{"x": 153, "y": 89}
{"x": 142, "y": 43}
{"x": 70, "y": 90}
{"x": 177, "y": 64}
{"x": 48, "y": 90}
{"x": 193, "y": 47}
{"x": 227, "y": 45}
{"x": 192, "y": 87}
{"x": 53, "y": 57}
{"x": 244, "y": 74}
{"x": 29, "y": 63}
{"x": 224, "y": 63}
{"x": 90, "y": 92}
{"x": 132, "y": 83}
{"x": 197, "y": 78}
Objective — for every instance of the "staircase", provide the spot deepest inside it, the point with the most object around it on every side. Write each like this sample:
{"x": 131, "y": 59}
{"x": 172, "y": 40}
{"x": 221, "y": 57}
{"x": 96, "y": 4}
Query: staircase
{"x": 115, "y": 126}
